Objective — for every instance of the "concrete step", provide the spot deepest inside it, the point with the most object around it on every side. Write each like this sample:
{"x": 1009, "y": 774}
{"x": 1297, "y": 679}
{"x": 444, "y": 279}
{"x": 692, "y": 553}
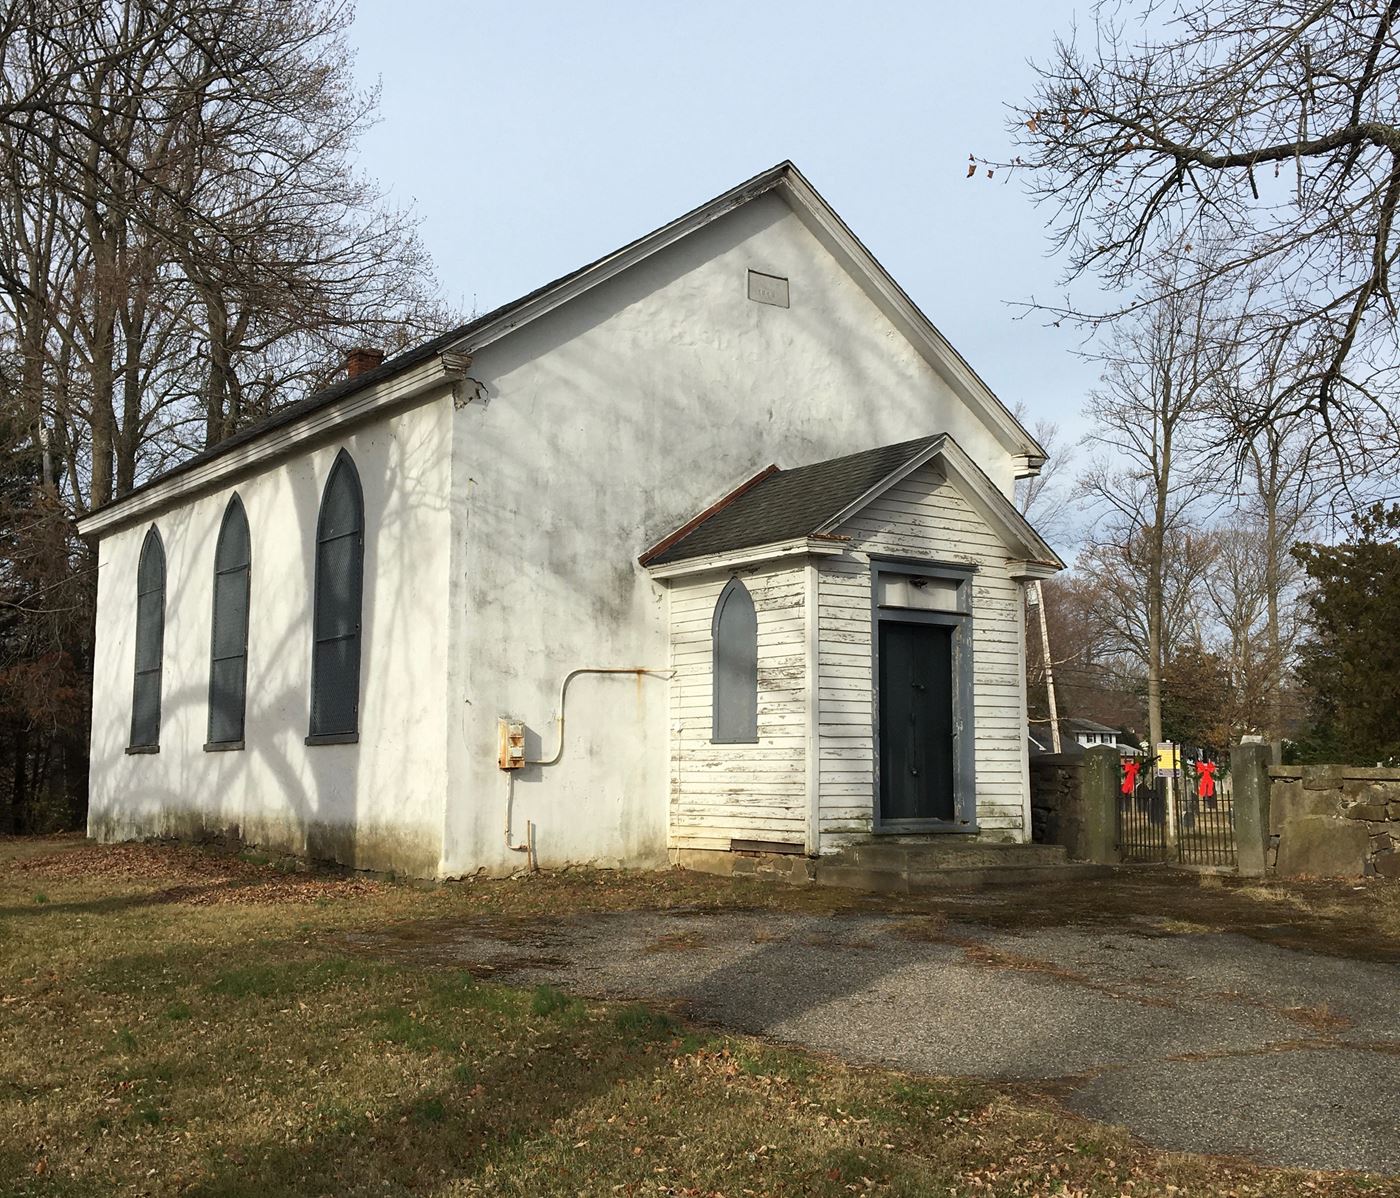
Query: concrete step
{"x": 944, "y": 853}
{"x": 856, "y": 877}
{"x": 896, "y": 881}
{"x": 1007, "y": 875}
{"x": 908, "y": 864}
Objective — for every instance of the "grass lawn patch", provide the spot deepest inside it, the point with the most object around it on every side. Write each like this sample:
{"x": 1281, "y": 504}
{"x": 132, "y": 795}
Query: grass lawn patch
{"x": 155, "y": 1040}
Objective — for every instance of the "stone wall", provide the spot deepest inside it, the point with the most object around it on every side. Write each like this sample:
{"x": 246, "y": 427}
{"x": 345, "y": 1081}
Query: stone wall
{"x": 1334, "y": 821}
{"x": 1057, "y": 810}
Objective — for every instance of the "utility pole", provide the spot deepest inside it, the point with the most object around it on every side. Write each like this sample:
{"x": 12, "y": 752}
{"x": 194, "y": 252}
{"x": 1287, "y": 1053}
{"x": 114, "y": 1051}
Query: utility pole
{"x": 1036, "y": 598}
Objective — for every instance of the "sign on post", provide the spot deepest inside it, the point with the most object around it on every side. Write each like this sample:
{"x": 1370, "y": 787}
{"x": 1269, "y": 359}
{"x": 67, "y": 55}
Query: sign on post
{"x": 1168, "y": 760}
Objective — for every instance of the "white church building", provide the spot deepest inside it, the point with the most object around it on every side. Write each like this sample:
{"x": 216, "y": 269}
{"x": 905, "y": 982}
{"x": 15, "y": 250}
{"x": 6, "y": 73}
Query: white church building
{"x": 707, "y": 547}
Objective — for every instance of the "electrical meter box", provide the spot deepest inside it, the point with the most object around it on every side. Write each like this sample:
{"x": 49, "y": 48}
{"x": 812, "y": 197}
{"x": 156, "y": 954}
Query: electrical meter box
{"x": 511, "y": 743}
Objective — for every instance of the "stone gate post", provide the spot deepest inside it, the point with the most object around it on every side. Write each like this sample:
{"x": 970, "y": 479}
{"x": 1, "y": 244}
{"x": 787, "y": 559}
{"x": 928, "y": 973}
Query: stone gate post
{"x": 1249, "y": 776}
{"x": 1099, "y": 786}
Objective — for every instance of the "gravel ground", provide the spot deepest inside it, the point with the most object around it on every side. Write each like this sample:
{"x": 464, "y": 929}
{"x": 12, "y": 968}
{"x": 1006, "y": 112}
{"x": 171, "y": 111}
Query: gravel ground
{"x": 1205, "y": 1042}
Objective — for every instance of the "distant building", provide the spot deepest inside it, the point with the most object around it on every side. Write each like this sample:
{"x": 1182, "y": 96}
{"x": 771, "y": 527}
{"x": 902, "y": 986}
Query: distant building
{"x": 1076, "y": 735}
{"x": 1088, "y": 733}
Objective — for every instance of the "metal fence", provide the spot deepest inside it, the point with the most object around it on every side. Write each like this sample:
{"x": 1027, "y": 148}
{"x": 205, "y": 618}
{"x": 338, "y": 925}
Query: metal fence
{"x": 1205, "y": 816}
{"x": 1142, "y": 813}
{"x": 1184, "y": 815}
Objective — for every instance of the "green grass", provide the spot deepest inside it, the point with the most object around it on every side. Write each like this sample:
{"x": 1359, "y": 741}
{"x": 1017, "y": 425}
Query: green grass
{"x": 262, "y": 1051}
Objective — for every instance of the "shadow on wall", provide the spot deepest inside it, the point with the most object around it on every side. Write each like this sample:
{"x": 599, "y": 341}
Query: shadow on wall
{"x": 342, "y": 803}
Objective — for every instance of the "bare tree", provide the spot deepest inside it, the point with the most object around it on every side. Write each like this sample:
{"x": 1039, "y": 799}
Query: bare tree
{"x": 1095, "y": 676}
{"x": 1269, "y": 125}
{"x": 185, "y": 246}
{"x": 1281, "y": 485}
{"x": 1150, "y": 477}
{"x": 216, "y": 248}
{"x": 1044, "y": 499}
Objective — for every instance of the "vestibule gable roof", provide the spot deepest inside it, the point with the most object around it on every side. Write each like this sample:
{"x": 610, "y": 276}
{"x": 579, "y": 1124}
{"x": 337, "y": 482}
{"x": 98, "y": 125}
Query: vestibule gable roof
{"x": 779, "y": 507}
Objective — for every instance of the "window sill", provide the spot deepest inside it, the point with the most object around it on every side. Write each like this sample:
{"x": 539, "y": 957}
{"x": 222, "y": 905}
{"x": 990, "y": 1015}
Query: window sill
{"x": 135, "y": 750}
{"x": 223, "y": 746}
{"x": 333, "y": 738}
{"x": 754, "y": 741}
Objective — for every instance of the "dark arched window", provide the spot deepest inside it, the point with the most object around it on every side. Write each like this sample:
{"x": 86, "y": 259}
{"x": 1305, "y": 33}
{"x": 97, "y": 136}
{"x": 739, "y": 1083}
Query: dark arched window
{"x": 734, "y": 637}
{"x": 228, "y": 655}
{"x": 150, "y": 645}
{"x": 335, "y": 662}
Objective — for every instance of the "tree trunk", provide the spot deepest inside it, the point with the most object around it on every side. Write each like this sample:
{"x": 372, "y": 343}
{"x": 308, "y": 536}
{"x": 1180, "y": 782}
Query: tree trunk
{"x": 129, "y": 442}
{"x": 104, "y": 430}
{"x": 217, "y": 393}
{"x": 1273, "y": 637}
{"x": 1156, "y": 568}
{"x": 19, "y": 799}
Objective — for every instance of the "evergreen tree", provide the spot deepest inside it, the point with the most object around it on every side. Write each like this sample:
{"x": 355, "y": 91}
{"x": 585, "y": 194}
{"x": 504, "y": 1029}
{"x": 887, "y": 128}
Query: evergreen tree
{"x": 1351, "y": 661}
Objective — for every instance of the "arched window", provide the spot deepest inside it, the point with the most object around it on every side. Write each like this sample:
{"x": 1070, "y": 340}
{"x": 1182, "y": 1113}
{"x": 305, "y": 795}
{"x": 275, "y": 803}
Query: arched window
{"x": 734, "y": 637}
{"x": 335, "y": 662}
{"x": 150, "y": 645}
{"x": 228, "y": 654}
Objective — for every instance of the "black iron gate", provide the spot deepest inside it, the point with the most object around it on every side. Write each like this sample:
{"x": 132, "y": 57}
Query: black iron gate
{"x": 1184, "y": 815}
{"x": 1142, "y": 812}
{"x": 1205, "y": 816}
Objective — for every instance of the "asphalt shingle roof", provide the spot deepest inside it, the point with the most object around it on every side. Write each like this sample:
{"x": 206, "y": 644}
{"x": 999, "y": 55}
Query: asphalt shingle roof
{"x": 788, "y": 504}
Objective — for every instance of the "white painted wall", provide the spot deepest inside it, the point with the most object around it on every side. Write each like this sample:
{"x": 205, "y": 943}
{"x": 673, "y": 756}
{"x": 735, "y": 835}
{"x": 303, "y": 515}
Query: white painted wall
{"x": 604, "y": 426}
{"x": 921, "y": 517}
{"x": 376, "y": 804}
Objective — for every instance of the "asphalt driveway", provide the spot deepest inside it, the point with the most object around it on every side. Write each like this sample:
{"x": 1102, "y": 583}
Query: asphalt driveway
{"x": 1200, "y": 1041}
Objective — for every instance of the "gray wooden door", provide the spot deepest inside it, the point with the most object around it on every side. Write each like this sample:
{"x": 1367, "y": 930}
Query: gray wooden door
{"x": 916, "y": 722}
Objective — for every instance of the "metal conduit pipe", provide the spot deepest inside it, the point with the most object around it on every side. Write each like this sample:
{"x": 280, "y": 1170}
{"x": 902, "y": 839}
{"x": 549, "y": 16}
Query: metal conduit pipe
{"x": 564, "y": 690}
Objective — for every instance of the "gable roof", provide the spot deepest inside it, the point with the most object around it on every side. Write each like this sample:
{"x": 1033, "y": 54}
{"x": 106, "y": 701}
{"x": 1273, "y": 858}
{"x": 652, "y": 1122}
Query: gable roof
{"x": 457, "y": 345}
{"x": 783, "y": 505}
{"x": 811, "y": 502}
{"x": 1079, "y": 724}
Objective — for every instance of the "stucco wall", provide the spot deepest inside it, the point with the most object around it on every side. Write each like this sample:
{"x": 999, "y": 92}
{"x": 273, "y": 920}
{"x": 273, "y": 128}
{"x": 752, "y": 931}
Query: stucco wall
{"x": 376, "y": 804}
{"x": 923, "y": 517}
{"x": 601, "y": 427}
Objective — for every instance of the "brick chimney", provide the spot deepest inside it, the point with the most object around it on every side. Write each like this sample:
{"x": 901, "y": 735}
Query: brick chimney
{"x": 360, "y": 359}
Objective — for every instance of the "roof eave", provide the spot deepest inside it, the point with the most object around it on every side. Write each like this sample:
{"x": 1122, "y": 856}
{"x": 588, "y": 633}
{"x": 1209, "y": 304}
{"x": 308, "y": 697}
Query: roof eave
{"x": 1034, "y": 553}
{"x": 482, "y": 333}
{"x": 674, "y": 538}
{"x": 826, "y": 224}
{"x": 445, "y": 369}
{"x": 1023, "y": 571}
{"x": 755, "y": 555}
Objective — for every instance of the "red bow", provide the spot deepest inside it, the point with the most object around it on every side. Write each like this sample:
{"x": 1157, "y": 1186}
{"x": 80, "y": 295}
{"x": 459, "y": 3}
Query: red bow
{"x": 1205, "y": 788}
{"x": 1130, "y": 773}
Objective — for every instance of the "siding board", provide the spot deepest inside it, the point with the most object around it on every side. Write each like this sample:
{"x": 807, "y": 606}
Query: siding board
{"x": 739, "y": 791}
{"x": 922, "y": 517}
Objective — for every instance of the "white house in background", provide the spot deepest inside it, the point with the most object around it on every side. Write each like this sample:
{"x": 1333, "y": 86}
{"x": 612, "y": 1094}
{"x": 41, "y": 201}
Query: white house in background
{"x": 1080, "y": 734}
{"x": 1089, "y": 733}
{"x": 554, "y": 540}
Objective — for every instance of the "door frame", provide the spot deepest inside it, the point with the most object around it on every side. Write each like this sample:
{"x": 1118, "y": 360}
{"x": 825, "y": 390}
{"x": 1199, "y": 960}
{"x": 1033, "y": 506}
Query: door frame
{"x": 964, "y": 819}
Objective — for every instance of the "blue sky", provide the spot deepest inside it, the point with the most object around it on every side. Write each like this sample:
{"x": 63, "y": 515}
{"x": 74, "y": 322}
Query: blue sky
{"x": 533, "y": 137}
